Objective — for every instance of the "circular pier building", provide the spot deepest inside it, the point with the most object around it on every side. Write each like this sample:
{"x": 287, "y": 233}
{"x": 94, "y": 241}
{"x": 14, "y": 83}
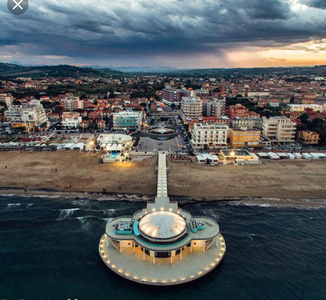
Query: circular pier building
{"x": 162, "y": 244}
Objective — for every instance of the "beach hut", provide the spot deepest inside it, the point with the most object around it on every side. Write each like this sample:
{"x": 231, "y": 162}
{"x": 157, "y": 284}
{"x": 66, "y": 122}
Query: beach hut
{"x": 314, "y": 155}
{"x": 306, "y": 156}
{"x": 273, "y": 156}
{"x": 322, "y": 155}
{"x": 263, "y": 155}
{"x": 290, "y": 155}
{"x": 282, "y": 155}
{"x": 297, "y": 155}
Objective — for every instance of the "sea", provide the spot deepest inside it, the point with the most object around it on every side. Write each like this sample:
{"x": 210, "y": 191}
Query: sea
{"x": 49, "y": 251}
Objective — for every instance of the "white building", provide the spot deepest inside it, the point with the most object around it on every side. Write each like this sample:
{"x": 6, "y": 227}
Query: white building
{"x": 126, "y": 120}
{"x": 71, "y": 123}
{"x": 192, "y": 108}
{"x": 72, "y": 103}
{"x": 6, "y": 98}
{"x": 30, "y": 115}
{"x": 210, "y": 136}
{"x": 279, "y": 129}
{"x": 302, "y": 107}
{"x": 214, "y": 108}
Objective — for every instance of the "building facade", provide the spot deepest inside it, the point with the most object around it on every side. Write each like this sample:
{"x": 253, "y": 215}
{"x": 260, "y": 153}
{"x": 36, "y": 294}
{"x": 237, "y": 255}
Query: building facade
{"x": 6, "y": 98}
{"x": 29, "y": 115}
{"x": 173, "y": 96}
{"x": 72, "y": 103}
{"x": 308, "y": 137}
{"x": 241, "y": 111}
{"x": 279, "y": 129}
{"x": 125, "y": 120}
{"x": 192, "y": 108}
{"x": 241, "y": 138}
{"x": 250, "y": 123}
{"x": 209, "y": 136}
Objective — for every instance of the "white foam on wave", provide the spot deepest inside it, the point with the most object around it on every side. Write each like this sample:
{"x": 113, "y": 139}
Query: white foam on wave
{"x": 65, "y": 213}
{"x": 109, "y": 212}
{"x": 29, "y": 205}
{"x": 8, "y": 195}
{"x": 80, "y": 202}
{"x": 108, "y": 220}
{"x": 13, "y": 205}
{"x": 85, "y": 224}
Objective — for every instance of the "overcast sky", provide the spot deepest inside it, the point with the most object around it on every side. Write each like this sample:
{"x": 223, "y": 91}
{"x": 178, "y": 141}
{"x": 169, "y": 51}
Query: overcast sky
{"x": 177, "y": 33}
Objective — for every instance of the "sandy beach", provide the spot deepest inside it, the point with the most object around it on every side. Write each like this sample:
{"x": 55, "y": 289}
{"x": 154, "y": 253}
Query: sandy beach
{"x": 81, "y": 172}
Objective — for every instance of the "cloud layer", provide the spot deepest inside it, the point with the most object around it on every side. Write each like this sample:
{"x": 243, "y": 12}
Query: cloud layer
{"x": 151, "y": 31}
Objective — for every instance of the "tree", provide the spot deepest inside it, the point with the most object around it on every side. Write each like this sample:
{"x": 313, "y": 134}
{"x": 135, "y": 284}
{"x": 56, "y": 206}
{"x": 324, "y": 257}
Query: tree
{"x": 304, "y": 118}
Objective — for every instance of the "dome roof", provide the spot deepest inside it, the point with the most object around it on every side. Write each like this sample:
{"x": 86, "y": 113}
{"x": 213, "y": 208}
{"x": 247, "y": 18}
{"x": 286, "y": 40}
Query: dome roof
{"x": 162, "y": 225}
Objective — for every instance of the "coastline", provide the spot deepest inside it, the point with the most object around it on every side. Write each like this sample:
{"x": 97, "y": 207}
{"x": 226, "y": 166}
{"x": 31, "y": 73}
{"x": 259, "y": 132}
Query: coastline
{"x": 74, "y": 174}
{"x": 311, "y": 203}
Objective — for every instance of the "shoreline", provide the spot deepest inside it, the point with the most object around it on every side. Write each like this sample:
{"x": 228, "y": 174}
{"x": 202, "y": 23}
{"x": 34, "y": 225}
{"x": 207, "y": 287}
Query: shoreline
{"x": 182, "y": 200}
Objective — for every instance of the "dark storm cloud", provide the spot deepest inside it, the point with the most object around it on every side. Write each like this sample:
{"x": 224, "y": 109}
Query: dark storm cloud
{"x": 148, "y": 27}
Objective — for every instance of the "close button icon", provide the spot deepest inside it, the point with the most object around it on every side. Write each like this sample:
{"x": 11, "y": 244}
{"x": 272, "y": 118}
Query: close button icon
{"x": 17, "y": 7}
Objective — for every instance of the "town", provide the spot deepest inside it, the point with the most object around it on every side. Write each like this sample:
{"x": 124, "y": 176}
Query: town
{"x": 235, "y": 118}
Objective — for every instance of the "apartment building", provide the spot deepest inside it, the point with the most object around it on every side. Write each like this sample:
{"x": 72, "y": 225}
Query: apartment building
{"x": 250, "y": 123}
{"x": 192, "y": 108}
{"x": 28, "y": 115}
{"x": 174, "y": 96}
{"x": 7, "y": 98}
{"x": 241, "y": 138}
{"x": 209, "y": 136}
{"x": 72, "y": 103}
{"x": 214, "y": 108}
{"x": 279, "y": 129}
{"x": 303, "y": 107}
{"x": 126, "y": 120}
{"x": 308, "y": 137}
{"x": 241, "y": 111}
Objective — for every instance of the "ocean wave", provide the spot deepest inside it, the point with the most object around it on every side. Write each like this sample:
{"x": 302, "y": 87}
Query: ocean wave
{"x": 80, "y": 202}
{"x": 108, "y": 220}
{"x": 65, "y": 213}
{"x": 109, "y": 212}
{"x": 13, "y": 205}
{"x": 29, "y": 205}
{"x": 8, "y": 195}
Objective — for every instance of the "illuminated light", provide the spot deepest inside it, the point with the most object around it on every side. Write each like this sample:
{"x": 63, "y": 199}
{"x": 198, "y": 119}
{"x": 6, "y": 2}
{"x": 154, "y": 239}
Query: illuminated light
{"x": 102, "y": 252}
{"x": 153, "y": 209}
{"x": 170, "y": 209}
{"x": 164, "y": 281}
{"x": 127, "y": 274}
{"x": 135, "y": 277}
{"x": 206, "y": 269}
{"x": 105, "y": 256}
{"x": 120, "y": 270}
{"x": 217, "y": 259}
{"x": 108, "y": 261}
{"x": 113, "y": 266}
{"x": 144, "y": 279}
{"x": 162, "y": 208}
{"x": 182, "y": 279}
{"x": 173, "y": 280}
{"x": 200, "y": 272}
{"x": 154, "y": 280}
{"x": 213, "y": 264}
{"x": 191, "y": 276}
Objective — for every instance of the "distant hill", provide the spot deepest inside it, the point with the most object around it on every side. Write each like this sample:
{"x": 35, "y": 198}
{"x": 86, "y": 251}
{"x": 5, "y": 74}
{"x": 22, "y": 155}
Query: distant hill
{"x": 147, "y": 69}
{"x": 14, "y": 70}
{"x": 241, "y": 72}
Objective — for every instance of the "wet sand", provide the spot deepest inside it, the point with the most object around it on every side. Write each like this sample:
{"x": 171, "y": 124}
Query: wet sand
{"x": 81, "y": 172}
